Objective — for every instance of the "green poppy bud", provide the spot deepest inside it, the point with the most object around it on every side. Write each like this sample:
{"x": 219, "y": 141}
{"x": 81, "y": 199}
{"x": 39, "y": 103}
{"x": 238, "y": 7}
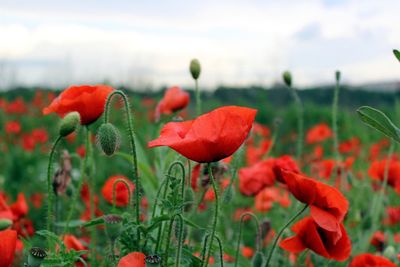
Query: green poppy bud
{"x": 258, "y": 259}
{"x": 195, "y": 68}
{"x": 108, "y": 138}
{"x": 69, "y": 123}
{"x": 4, "y": 224}
{"x": 337, "y": 75}
{"x": 287, "y": 78}
{"x": 36, "y": 257}
{"x": 113, "y": 224}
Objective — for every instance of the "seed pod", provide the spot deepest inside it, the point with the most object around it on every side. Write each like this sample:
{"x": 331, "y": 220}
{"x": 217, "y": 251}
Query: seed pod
{"x": 113, "y": 224}
{"x": 36, "y": 257}
{"x": 258, "y": 259}
{"x": 108, "y": 138}
{"x": 195, "y": 68}
{"x": 69, "y": 123}
{"x": 287, "y": 78}
{"x": 4, "y": 224}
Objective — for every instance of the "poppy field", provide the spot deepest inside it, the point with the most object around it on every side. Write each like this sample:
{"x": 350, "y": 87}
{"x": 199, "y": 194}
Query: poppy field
{"x": 94, "y": 175}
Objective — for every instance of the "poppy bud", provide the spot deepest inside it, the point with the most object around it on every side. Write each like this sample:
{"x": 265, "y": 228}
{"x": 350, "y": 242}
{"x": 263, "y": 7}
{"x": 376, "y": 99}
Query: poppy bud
{"x": 4, "y": 224}
{"x": 258, "y": 259}
{"x": 113, "y": 223}
{"x": 195, "y": 68}
{"x": 287, "y": 78}
{"x": 337, "y": 76}
{"x": 228, "y": 194}
{"x": 36, "y": 257}
{"x": 69, "y": 123}
{"x": 108, "y": 138}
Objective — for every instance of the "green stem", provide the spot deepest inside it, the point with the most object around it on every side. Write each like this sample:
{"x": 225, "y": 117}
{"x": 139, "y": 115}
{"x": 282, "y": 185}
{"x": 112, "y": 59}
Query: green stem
{"x": 214, "y": 225}
{"x": 50, "y": 192}
{"x": 133, "y": 150}
{"x": 114, "y": 199}
{"x": 80, "y": 183}
{"x": 281, "y": 232}
{"x": 300, "y": 123}
{"x": 221, "y": 250}
{"x": 180, "y": 241}
{"x": 198, "y": 98}
{"x": 258, "y": 236}
{"x": 92, "y": 192}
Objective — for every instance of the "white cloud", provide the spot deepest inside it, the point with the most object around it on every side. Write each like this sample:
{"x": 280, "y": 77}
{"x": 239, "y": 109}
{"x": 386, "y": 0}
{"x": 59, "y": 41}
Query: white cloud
{"x": 237, "y": 42}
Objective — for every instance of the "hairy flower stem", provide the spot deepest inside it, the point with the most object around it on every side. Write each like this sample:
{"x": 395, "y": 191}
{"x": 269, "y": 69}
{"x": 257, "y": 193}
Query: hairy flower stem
{"x": 180, "y": 241}
{"x": 50, "y": 192}
{"x": 165, "y": 184}
{"x": 132, "y": 150}
{"x": 221, "y": 249}
{"x": 214, "y": 225}
{"x": 258, "y": 235}
{"x": 198, "y": 98}
{"x": 300, "y": 122}
{"x": 281, "y": 232}
{"x": 92, "y": 192}
{"x": 80, "y": 182}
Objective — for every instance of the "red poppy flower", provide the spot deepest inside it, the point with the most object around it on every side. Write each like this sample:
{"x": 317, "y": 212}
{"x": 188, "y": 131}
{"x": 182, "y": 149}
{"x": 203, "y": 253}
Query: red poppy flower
{"x": 88, "y": 100}
{"x": 13, "y": 127}
{"x": 40, "y": 135}
{"x": 284, "y": 162}
{"x": 174, "y": 100}
{"x": 350, "y": 146}
{"x": 20, "y": 207}
{"x": 247, "y": 252}
{"x": 210, "y": 137}
{"x": 378, "y": 240}
{"x": 255, "y": 178}
{"x": 265, "y": 199}
{"x": 254, "y": 153}
{"x": 71, "y": 242}
{"x": 328, "y": 206}
{"x": 17, "y": 106}
{"x": 393, "y": 215}
{"x": 331, "y": 245}
{"x": 136, "y": 259}
{"x": 318, "y": 133}
{"x": 7, "y": 247}
{"x": 377, "y": 172}
{"x": 122, "y": 194}
{"x": 369, "y": 260}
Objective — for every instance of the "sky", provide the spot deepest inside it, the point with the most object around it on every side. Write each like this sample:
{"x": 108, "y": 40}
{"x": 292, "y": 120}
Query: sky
{"x": 148, "y": 44}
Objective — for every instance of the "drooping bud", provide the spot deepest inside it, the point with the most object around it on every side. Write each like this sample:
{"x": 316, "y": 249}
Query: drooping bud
{"x": 113, "y": 224}
{"x": 69, "y": 123}
{"x": 258, "y": 259}
{"x": 36, "y": 257}
{"x": 108, "y": 138}
{"x": 195, "y": 68}
{"x": 4, "y": 224}
{"x": 337, "y": 75}
{"x": 287, "y": 78}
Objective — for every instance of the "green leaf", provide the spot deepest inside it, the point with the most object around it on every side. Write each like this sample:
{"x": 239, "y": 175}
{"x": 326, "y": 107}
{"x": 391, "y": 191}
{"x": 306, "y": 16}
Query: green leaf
{"x": 192, "y": 224}
{"x": 95, "y": 221}
{"x": 379, "y": 121}
{"x": 396, "y": 54}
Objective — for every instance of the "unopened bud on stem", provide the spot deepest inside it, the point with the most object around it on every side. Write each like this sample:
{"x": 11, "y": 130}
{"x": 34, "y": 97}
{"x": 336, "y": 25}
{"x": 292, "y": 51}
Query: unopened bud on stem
{"x": 69, "y": 123}
{"x": 195, "y": 68}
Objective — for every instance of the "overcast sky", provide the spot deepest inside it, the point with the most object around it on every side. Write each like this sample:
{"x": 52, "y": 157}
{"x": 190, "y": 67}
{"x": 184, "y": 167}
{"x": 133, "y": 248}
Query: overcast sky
{"x": 150, "y": 43}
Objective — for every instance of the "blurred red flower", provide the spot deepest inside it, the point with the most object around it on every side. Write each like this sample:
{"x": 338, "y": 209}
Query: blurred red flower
{"x": 247, "y": 252}
{"x": 377, "y": 172}
{"x": 328, "y": 206}
{"x": 331, "y": 245}
{"x": 370, "y": 260}
{"x": 285, "y": 162}
{"x": 13, "y": 127}
{"x": 174, "y": 100}
{"x": 121, "y": 194}
{"x": 136, "y": 259}
{"x": 88, "y": 100}
{"x": 7, "y": 247}
{"x": 318, "y": 133}
{"x": 378, "y": 240}
{"x": 265, "y": 199}
{"x": 19, "y": 207}
{"x": 72, "y": 242}
{"x": 17, "y": 106}
{"x": 40, "y": 135}
{"x": 255, "y": 178}
{"x": 210, "y": 137}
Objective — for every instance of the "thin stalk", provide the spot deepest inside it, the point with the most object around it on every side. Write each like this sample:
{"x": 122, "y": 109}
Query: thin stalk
{"x": 198, "y": 98}
{"x": 300, "y": 123}
{"x": 50, "y": 192}
{"x": 92, "y": 190}
{"x": 77, "y": 192}
{"x": 258, "y": 236}
{"x": 221, "y": 250}
{"x": 133, "y": 150}
{"x": 281, "y": 232}
{"x": 215, "y": 221}
{"x": 180, "y": 241}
